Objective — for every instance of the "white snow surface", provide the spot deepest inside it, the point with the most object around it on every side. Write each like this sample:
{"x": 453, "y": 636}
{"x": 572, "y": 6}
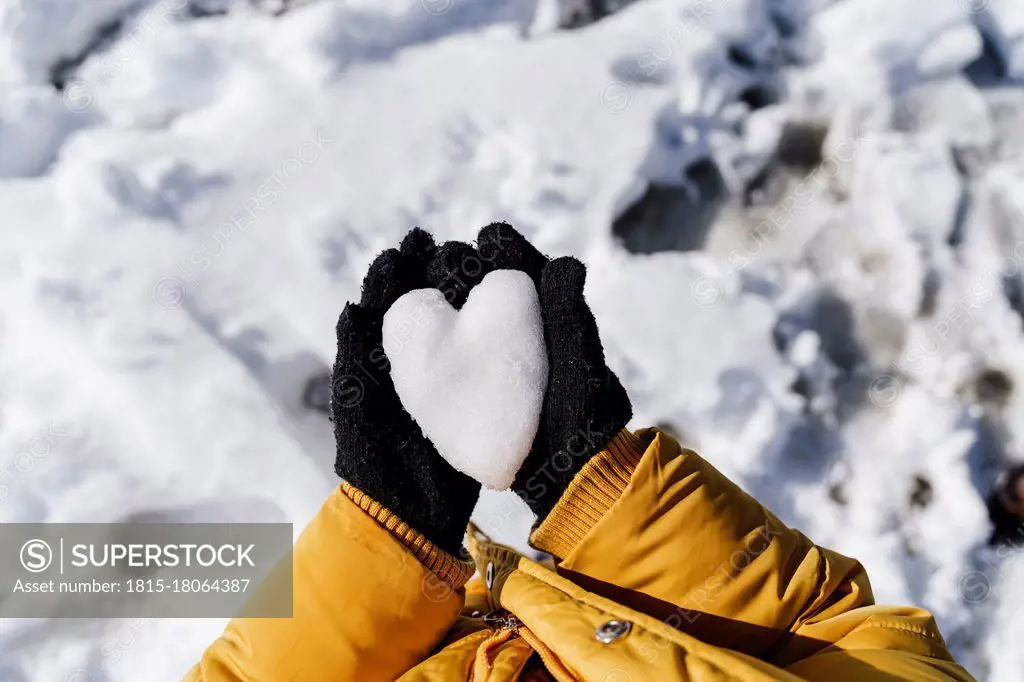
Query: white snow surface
{"x": 473, "y": 378}
{"x": 184, "y": 218}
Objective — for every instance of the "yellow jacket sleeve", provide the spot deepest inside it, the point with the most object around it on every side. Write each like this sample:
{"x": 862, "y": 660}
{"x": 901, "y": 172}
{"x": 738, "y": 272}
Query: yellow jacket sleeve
{"x": 365, "y": 606}
{"x": 658, "y": 528}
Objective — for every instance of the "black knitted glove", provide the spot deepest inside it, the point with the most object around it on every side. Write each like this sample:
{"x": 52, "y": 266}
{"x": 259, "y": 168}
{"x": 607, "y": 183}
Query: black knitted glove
{"x": 584, "y": 405}
{"x": 381, "y": 450}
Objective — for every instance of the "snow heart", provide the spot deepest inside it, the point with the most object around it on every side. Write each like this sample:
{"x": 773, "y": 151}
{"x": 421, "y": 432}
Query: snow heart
{"x": 473, "y": 379}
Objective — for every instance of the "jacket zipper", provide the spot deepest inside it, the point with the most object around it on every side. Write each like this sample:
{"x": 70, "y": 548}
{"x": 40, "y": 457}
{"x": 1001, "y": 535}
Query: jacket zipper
{"x": 502, "y": 621}
{"x": 505, "y": 625}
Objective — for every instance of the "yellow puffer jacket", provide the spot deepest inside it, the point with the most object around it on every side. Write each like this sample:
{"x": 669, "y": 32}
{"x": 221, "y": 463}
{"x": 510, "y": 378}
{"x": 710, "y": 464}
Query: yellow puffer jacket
{"x": 667, "y": 572}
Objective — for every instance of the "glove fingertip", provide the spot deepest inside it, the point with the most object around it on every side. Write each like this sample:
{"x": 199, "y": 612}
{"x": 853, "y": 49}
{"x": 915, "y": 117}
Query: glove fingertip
{"x": 382, "y": 281}
{"x": 349, "y": 315}
{"x": 455, "y": 270}
{"x": 564, "y": 278}
{"x": 505, "y": 248}
{"x": 418, "y": 247}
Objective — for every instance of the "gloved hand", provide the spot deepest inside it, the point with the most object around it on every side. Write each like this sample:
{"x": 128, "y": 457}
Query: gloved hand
{"x": 585, "y": 404}
{"x": 381, "y": 450}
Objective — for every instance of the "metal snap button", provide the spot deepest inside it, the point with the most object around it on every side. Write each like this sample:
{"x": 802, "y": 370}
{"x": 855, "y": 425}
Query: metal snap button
{"x": 612, "y": 630}
{"x": 489, "y": 575}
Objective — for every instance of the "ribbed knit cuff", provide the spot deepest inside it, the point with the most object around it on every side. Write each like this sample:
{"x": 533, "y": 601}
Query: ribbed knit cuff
{"x": 589, "y": 496}
{"x": 452, "y": 571}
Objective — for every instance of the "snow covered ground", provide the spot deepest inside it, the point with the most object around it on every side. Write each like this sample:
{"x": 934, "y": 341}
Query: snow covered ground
{"x": 191, "y": 189}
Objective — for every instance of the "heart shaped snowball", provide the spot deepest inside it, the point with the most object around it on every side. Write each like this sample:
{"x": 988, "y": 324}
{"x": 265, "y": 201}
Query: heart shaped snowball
{"x": 473, "y": 379}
